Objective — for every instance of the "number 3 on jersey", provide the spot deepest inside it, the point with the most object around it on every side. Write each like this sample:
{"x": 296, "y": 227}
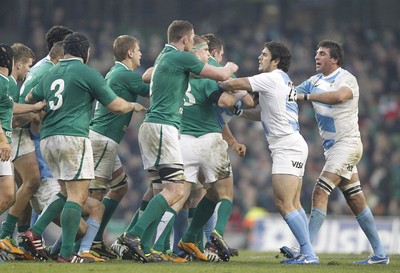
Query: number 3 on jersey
{"x": 59, "y": 86}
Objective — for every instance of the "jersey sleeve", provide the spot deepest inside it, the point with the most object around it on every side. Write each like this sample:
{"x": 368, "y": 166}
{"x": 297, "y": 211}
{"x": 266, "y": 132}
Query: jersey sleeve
{"x": 137, "y": 86}
{"x": 304, "y": 87}
{"x": 37, "y": 92}
{"x": 349, "y": 81}
{"x": 261, "y": 82}
{"x": 192, "y": 63}
{"x": 100, "y": 90}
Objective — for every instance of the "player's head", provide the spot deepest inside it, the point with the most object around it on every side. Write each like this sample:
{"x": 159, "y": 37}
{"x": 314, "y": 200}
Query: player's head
{"x": 23, "y": 59}
{"x": 6, "y": 57}
{"x": 181, "y": 31}
{"x": 215, "y": 46}
{"x": 335, "y": 50}
{"x": 76, "y": 44}
{"x": 56, "y": 52}
{"x": 126, "y": 46}
{"x": 200, "y": 48}
{"x": 56, "y": 34}
{"x": 279, "y": 52}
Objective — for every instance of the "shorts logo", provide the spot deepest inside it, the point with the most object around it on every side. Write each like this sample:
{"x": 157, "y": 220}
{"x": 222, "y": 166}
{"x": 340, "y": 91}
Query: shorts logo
{"x": 350, "y": 167}
{"x": 297, "y": 164}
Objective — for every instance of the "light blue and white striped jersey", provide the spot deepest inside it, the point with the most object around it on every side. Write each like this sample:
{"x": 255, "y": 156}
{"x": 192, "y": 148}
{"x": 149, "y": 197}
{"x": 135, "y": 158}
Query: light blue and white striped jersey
{"x": 279, "y": 117}
{"x": 338, "y": 121}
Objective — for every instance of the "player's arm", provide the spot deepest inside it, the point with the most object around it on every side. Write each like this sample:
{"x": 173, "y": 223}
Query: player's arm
{"x": 121, "y": 106}
{"x": 26, "y": 108}
{"x": 341, "y": 95}
{"x": 146, "y": 77}
{"x": 239, "y": 148}
{"x": 219, "y": 73}
{"x": 251, "y": 114}
{"x": 236, "y": 84}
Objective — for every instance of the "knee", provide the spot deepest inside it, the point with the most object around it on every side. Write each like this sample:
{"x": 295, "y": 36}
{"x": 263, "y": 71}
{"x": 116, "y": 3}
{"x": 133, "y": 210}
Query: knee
{"x": 32, "y": 185}
{"x": 120, "y": 192}
{"x": 284, "y": 207}
{"x": 6, "y": 201}
{"x": 96, "y": 209}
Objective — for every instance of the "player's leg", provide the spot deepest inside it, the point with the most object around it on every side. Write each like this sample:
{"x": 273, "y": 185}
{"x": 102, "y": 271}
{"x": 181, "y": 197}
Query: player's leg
{"x": 93, "y": 210}
{"x": 285, "y": 189}
{"x": 351, "y": 190}
{"x": 167, "y": 221}
{"x": 7, "y": 197}
{"x": 28, "y": 169}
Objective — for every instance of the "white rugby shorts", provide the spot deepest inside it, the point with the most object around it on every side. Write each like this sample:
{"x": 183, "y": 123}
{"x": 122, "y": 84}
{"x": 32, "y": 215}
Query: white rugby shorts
{"x": 159, "y": 145}
{"x": 6, "y": 168}
{"x": 208, "y": 154}
{"x": 106, "y": 159}
{"x": 343, "y": 156}
{"x": 21, "y": 143}
{"x": 68, "y": 157}
{"x": 289, "y": 154}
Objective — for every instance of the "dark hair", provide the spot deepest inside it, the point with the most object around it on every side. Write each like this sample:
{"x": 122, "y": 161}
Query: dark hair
{"x": 213, "y": 42}
{"x": 22, "y": 53}
{"x": 178, "y": 29}
{"x": 335, "y": 50}
{"x": 56, "y": 34}
{"x": 281, "y": 52}
{"x": 77, "y": 45}
{"x": 6, "y": 57}
{"x": 121, "y": 46}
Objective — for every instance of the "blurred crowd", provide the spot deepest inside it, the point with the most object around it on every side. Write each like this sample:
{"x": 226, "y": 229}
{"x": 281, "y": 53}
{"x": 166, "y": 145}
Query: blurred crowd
{"x": 371, "y": 54}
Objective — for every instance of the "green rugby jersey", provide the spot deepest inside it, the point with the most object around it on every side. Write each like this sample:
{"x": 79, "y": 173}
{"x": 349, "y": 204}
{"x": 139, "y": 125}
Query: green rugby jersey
{"x": 199, "y": 112}
{"x": 169, "y": 83}
{"x": 6, "y": 107}
{"x": 128, "y": 85}
{"x": 69, "y": 89}
{"x": 33, "y": 79}
{"x": 13, "y": 89}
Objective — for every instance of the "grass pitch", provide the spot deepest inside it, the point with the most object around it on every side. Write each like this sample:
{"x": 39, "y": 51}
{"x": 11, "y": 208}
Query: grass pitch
{"x": 248, "y": 262}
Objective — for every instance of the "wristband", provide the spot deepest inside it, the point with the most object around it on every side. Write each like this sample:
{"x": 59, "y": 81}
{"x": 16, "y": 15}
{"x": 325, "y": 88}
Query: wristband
{"x": 306, "y": 97}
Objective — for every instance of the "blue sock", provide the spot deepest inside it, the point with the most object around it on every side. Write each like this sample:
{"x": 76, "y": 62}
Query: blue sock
{"x": 180, "y": 226}
{"x": 87, "y": 240}
{"x": 300, "y": 231}
{"x": 210, "y": 225}
{"x": 303, "y": 215}
{"x": 367, "y": 223}
{"x": 317, "y": 218}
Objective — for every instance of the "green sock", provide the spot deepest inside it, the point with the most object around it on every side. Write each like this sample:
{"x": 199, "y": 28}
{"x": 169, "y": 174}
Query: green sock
{"x": 191, "y": 213}
{"x": 224, "y": 210}
{"x": 200, "y": 239}
{"x": 8, "y": 226}
{"x": 77, "y": 245}
{"x": 148, "y": 236}
{"x": 155, "y": 209}
{"x": 138, "y": 213}
{"x": 110, "y": 206}
{"x": 203, "y": 212}
{"x": 22, "y": 228}
{"x": 164, "y": 228}
{"x": 56, "y": 205}
{"x": 167, "y": 242}
{"x": 70, "y": 218}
